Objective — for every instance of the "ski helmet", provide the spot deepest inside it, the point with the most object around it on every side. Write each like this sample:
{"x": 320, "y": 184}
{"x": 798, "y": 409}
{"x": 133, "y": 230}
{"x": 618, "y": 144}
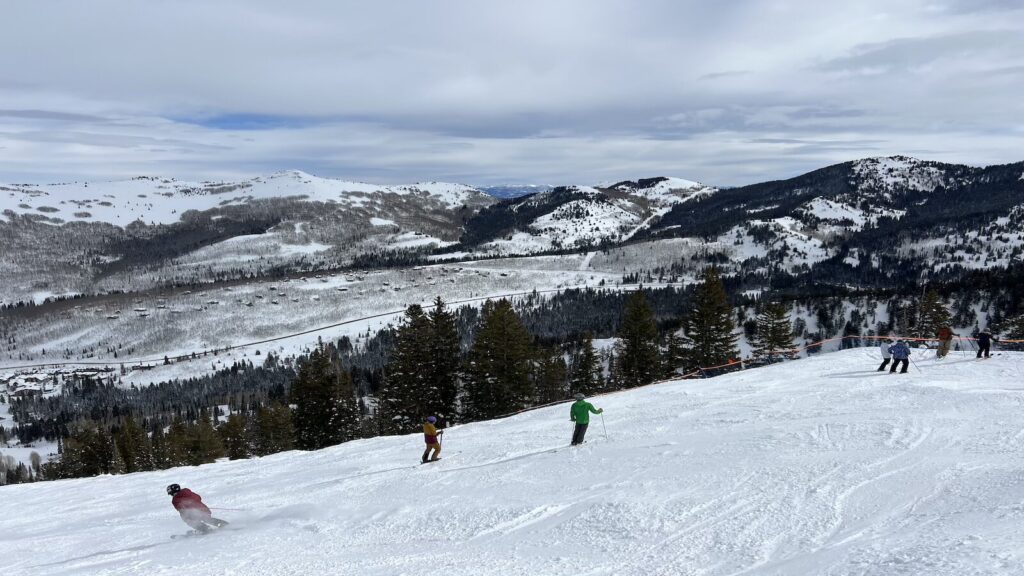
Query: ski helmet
{"x": 579, "y": 396}
{"x": 173, "y": 489}
{"x": 431, "y": 419}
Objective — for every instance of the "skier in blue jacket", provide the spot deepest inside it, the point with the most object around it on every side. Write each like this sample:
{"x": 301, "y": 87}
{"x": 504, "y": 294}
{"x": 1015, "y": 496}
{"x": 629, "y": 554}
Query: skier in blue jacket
{"x": 900, "y": 353}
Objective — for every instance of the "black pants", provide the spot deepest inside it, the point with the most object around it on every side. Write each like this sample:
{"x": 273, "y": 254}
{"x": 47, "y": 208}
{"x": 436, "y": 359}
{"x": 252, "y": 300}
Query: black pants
{"x": 578, "y": 433}
{"x": 885, "y": 363}
{"x": 984, "y": 349}
{"x": 896, "y": 363}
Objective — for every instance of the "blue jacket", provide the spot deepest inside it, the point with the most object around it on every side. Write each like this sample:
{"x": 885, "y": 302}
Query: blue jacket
{"x": 899, "y": 351}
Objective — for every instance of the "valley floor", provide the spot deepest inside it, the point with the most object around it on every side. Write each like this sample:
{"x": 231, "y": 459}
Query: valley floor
{"x": 818, "y": 466}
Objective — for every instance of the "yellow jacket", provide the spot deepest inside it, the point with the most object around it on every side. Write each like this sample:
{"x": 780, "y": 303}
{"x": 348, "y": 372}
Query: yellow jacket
{"x": 429, "y": 433}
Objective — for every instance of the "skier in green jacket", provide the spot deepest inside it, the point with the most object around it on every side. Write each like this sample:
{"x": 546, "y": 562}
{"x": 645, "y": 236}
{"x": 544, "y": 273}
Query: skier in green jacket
{"x": 580, "y": 414}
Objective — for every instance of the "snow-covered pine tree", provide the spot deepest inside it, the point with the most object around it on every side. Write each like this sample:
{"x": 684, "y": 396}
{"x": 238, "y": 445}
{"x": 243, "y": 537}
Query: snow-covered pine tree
{"x": 347, "y": 419}
{"x": 586, "y": 368}
{"x": 708, "y": 328}
{"x": 497, "y": 372}
{"x": 932, "y": 315}
{"x": 638, "y": 357}
{"x": 773, "y": 340}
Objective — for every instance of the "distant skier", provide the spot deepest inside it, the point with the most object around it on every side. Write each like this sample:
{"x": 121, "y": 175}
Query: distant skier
{"x": 945, "y": 337}
{"x": 985, "y": 340}
{"x": 579, "y": 413}
{"x": 192, "y": 510}
{"x": 886, "y": 355}
{"x": 431, "y": 435}
{"x": 900, "y": 353}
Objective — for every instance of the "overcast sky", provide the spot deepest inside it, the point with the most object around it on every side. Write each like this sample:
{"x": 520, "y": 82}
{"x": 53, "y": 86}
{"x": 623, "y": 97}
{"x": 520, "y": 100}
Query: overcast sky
{"x": 553, "y": 91}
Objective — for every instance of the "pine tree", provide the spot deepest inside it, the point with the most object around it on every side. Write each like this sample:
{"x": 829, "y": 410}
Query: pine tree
{"x": 234, "y": 435}
{"x": 347, "y": 419}
{"x": 774, "y": 337}
{"x": 205, "y": 443}
{"x": 158, "y": 447}
{"x": 274, "y": 431}
{"x": 409, "y": 379}
{"x": 319, "y": 403}
{"x": 708, "y": 328}
{"x": 134, "y": 447}
{"x": 586, "y": 368}
{"x": 551, "y": 376}
{"x": 639, "y": 360}
{"x": 932, "y": 315}
{"x": 442, "y": 377}
{"x": 1014, "y": 327}
{"x": 178, "y": 443}
{"x": 497, "y": 370}
{"x": 674, "y": 356}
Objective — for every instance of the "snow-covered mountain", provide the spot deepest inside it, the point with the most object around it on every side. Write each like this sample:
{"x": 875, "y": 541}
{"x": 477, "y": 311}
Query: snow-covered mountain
{"x": 152, "y": 200}
{"x": 862, "y": 214}
{"x": 577, "y": 217}
{"x": 146, "y": 232}
{"x": 819, "y": 466}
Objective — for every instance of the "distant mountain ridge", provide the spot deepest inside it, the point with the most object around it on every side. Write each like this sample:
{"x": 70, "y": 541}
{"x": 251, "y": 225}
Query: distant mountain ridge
{"x": 854, "y": 221}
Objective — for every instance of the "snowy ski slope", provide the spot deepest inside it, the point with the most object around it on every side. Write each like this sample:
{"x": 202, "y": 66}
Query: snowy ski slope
{"x": 818, "y": 466}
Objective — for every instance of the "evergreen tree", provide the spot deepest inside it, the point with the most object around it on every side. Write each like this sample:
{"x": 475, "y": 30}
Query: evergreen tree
{"x": 639, "y": 360}
{"x": 773, "y": 339}
{"x": 409, "y": 382}
{"x": 551, "y": 376}
{"x": 586, "y": 368}
{"x": 442, "y": 376}
{"x": 674, "y": 356}
{"x": 158, "y": 448}
{"x": 1014, "y": 327}
{"x": 932, "y": 315}
{"x": 205, "y": 443}
{"x": 178, "y": 444}
{"x": 347, "y": 419}
{"x": 319, "y": 403}
{"x": 708, "y": 329}
{"x": 274, "y": 432}
{"x": 234, "y": 435}
{"x": 134, "y": 447}
{"x": 497, "y": 370}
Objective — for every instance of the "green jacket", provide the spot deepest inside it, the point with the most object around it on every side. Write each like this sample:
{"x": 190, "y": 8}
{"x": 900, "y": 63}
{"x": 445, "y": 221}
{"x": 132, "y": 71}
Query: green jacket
{"x": 580, "y": 411}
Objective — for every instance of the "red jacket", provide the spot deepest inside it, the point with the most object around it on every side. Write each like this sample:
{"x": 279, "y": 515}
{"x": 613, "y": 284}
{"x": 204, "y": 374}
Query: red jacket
{"x": 945, "y": 333}
{"x": 189, "y": 500}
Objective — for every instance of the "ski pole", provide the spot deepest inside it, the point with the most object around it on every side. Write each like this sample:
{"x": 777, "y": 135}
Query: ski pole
{"x": 604, "y": 427}
{"x": 911, "y": 356}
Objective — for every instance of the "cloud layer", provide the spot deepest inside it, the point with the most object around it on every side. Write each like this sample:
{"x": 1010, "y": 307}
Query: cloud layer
{"x": 483, "y": 92}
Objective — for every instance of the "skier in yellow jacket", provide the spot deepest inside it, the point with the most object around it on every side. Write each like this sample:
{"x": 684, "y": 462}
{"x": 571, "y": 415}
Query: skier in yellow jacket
{"x": 431, "y": 435}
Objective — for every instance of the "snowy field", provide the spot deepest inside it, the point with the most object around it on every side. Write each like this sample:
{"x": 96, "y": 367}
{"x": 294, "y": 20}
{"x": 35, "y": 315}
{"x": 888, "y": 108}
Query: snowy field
{"x": 819, "y": 466}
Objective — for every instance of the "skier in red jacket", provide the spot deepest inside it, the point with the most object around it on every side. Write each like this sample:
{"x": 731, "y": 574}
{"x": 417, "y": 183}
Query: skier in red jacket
{"x": 193, "y": 511}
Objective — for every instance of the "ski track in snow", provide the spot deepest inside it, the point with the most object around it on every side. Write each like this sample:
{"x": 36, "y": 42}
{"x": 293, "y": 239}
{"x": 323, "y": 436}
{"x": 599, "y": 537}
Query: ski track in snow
{"x": 790, "y": 469}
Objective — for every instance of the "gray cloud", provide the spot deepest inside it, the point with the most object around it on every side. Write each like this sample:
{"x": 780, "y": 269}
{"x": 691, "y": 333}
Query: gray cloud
{"x": 574, "y": 91}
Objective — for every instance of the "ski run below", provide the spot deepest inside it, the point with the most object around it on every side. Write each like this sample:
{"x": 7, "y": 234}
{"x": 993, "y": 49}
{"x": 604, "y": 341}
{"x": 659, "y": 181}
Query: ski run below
{"x": 817, "y": 466}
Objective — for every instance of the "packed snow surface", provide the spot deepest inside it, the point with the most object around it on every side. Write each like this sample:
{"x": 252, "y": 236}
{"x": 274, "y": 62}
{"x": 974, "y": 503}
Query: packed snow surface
{"x": 817, "y": 466}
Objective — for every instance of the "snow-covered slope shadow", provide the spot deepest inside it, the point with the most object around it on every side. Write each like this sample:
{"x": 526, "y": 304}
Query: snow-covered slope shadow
{"x": 780, "y": 470}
